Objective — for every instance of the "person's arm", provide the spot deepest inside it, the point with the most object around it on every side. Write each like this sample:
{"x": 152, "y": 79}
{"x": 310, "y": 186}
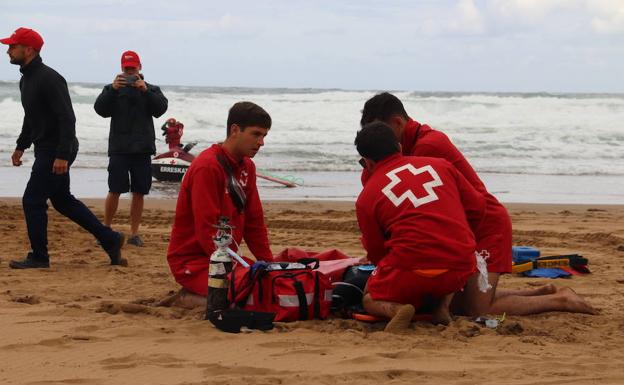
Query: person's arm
{"x": 105, "y": 102}
{"x": 256, "y": 234}
{"x": 373, "y": 238}
{"x": 24, "y": 140}
{"x": 206, "y": 200}
{"x": 59, "y": 102}
{"x": 156, "y": 101}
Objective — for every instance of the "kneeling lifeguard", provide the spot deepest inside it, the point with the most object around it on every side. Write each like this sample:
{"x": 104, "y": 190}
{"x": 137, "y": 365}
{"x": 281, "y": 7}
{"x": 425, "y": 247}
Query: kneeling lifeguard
{"x": 417, "y": 216}
{"x": 221, "y": 182}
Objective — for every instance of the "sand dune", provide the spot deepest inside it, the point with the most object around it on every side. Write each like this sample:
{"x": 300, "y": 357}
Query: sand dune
{"x": 85, "y": 322}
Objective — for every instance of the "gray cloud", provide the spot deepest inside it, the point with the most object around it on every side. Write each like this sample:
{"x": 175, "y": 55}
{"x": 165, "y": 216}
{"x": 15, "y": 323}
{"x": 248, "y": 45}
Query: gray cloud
{"x": 472, "y": 45}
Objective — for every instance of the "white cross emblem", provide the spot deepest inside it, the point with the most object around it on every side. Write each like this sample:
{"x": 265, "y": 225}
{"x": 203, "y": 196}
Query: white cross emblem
{"x": 409, "y": 194}
{"x": 243, "y": 178}
{"x": 483, "y": 254}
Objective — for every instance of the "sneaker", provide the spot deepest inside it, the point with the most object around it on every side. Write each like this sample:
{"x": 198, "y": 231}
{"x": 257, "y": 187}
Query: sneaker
{"x": 136, "y": 241}
{"x": 30, "y": 262}
{"x": 114, "y": 251}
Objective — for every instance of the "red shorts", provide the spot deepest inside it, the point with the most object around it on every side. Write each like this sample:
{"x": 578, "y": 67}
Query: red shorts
{"x": 496, "y": 249}
{"x": 390, "y": 284}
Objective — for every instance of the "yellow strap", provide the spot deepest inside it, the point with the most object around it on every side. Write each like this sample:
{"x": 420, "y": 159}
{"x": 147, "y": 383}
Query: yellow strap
{"x": 553, "y": 263}
{"x": 218, "y": 283}
{"x": 540, "y": 263}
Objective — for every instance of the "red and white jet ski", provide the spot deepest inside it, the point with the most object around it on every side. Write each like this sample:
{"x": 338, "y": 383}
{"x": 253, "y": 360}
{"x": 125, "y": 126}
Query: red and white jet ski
{"x": 172, "y": 165}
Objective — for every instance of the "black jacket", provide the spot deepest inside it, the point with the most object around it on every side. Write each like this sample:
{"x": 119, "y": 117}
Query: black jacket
{"x": 131, "y": 111}
{"x": 49, "y": 120}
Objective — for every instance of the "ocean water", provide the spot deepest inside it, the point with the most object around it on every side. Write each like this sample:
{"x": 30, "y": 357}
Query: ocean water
{"x": 526, "y": 146}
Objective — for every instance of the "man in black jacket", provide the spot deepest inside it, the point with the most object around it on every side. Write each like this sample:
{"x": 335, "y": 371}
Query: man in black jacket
{"x": 131, "y": 103}
{"x": 49, "y": 124}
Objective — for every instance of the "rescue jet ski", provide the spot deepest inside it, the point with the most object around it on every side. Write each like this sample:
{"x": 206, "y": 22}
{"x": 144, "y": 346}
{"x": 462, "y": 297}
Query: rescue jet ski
{"x": 172, "y": 165}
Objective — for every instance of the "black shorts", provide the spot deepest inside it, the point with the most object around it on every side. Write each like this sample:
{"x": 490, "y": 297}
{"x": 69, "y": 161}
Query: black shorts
{"x": 130, "y": 172}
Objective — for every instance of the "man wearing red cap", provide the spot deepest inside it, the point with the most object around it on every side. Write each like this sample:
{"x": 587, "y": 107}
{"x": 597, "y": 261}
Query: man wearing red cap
{"x": 49, "y": 124}
{"x": 131, "y": 103}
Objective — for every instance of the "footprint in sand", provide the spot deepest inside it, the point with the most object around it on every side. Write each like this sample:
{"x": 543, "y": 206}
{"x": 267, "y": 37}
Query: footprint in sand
{"x": 68, "y": 381}
{"x": 29, "y": 299}
{"x": 138, "y": 360}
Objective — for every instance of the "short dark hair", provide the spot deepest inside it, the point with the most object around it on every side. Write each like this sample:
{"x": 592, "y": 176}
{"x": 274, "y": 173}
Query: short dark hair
{"x": 247, "y": 114}
{"x": 376, "y": 141}
{"x": 382, "y": 107}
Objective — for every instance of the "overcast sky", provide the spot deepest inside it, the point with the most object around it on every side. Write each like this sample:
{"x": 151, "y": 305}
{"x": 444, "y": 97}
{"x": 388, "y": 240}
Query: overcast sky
{"x": 429, "y": 45}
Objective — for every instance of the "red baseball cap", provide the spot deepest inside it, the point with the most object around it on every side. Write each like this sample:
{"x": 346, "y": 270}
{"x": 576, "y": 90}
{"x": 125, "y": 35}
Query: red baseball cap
{"x": 130, "y": 59}
{"x": 25, "y": 36}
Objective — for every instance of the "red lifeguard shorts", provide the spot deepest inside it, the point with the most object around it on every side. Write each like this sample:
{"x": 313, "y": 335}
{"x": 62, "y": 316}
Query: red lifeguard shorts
{"x": 390, "y": 284}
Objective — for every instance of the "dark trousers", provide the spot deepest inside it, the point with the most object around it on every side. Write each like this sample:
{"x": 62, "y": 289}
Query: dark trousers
{"x": 44, "y": 185}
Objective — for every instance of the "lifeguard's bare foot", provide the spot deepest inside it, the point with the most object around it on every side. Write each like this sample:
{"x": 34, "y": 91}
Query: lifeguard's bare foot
{"x": 441, "y": 316}
{"x": 401, "y": 320}
{"x": 183, "y": 299}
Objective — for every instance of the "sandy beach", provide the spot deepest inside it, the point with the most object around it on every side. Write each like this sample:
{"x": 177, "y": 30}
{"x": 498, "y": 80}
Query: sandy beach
{"x": 85, "y": 322}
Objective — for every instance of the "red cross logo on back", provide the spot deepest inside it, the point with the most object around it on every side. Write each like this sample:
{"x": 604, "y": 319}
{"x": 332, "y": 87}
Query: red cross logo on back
{"x": 422, "y": 180}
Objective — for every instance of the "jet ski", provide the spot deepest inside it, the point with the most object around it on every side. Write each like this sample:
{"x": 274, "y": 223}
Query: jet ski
{"x": 172, "y": 165}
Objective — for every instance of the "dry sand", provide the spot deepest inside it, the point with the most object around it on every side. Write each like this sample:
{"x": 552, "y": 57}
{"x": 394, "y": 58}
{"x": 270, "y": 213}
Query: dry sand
{"x": 85, "y": 322}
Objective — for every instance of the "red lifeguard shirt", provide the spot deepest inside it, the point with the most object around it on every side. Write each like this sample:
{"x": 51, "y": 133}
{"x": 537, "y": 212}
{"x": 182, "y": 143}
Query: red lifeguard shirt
{"x": 202, "y": 200}
{"x": 417, "y": 213}
{"x": 494, "y": 234}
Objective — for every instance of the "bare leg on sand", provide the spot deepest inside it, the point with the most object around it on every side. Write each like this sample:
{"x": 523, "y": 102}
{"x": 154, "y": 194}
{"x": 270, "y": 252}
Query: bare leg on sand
{"x": 110, "y": 208}
{"x": 400, "y": 315}
{"x": 136, "y": 212}
{"x": 473, "y": 302}
{"x": 548, "y": 288}
{"x": 183, "y": 299}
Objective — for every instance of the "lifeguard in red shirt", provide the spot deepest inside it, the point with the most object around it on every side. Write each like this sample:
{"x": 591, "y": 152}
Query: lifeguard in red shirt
{"x": 221, "y": 181}
{"x": 416, "y": 215}
{"x": 493, "y": 236}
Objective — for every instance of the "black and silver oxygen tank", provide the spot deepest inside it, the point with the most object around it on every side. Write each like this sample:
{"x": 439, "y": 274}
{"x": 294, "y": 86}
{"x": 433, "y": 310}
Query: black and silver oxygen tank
{"x": 220, "y": 266}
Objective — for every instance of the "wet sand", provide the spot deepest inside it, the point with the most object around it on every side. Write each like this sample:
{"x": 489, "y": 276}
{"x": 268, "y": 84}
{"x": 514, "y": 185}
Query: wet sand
{"x": 85, "y": 322}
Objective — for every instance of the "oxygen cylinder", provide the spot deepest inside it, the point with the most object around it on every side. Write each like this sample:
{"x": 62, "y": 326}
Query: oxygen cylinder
{"x": 218, "y": 284}
{"x": 220, "y": 266}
